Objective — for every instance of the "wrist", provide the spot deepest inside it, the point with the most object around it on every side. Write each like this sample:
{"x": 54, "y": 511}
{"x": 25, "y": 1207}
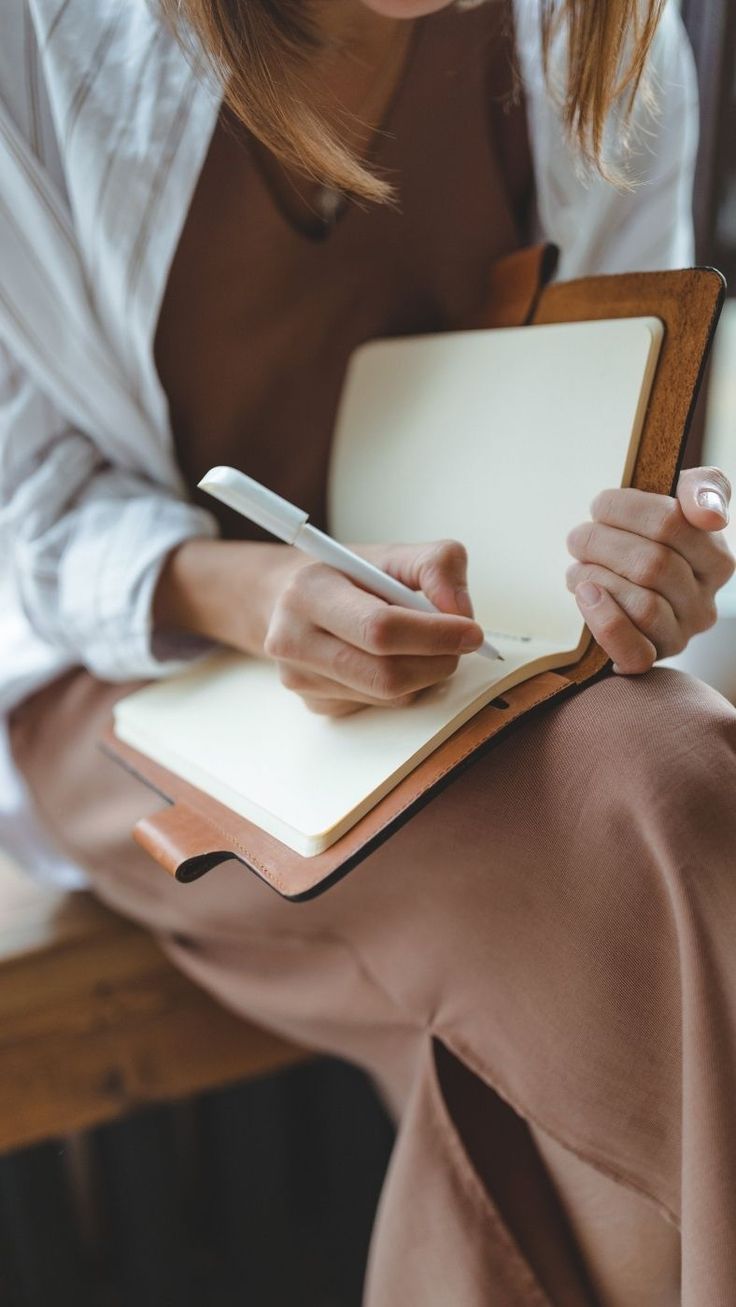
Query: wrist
{"x": 222, "y": 590}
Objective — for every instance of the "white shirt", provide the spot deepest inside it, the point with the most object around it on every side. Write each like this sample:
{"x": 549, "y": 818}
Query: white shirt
{"x": 104, "y": 128}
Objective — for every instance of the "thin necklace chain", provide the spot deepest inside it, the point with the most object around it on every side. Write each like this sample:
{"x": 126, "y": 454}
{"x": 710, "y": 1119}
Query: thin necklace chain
{"x": 330, "y": 200}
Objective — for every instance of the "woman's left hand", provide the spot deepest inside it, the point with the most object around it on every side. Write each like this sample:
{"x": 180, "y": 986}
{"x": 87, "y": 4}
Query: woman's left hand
{"x": 649, "y": 566}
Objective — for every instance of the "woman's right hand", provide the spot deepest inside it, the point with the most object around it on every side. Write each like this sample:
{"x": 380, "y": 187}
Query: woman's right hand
{"x": 337, "y": 646}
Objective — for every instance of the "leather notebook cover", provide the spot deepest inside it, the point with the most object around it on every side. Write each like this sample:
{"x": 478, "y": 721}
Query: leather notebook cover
{"x": 194, "y": 833}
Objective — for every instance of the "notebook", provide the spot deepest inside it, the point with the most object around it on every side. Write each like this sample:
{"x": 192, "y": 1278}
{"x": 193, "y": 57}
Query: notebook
{"x": 498, "y": 438}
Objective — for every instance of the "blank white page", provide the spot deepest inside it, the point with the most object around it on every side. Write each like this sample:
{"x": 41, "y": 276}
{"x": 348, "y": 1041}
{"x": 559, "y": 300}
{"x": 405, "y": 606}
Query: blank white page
{"x": 499, "y": 439}
{"x": 230, "y": 727}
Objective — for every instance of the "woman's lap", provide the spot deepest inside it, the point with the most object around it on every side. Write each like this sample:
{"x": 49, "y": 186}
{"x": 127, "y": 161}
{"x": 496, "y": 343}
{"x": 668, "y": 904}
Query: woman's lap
{"x": 561, "y": 917}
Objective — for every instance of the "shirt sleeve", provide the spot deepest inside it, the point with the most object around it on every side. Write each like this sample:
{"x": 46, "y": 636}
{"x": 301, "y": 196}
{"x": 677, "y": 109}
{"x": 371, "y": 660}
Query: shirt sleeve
{"x": 600, "y": 227}
{"x": 85, "y": 541}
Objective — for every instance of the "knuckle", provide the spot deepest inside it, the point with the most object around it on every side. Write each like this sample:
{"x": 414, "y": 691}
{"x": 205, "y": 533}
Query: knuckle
{"x": 652, "y": 566}
{"x": 310, "y": 574}
{"x": 611, "y": 627}
{"x": 404, "y": 700}
{"x": 671, "y": 521}
{"x": 291, "y": 678}
{"x": 671, "y": 648}
{"x": 581, "y": 539}
{"x": 648, "y": 608}
{"x": 388, "y": 680}
{"x": 345, "y": 707}
{"x": 377, "y": 629}
{"x": 444, "y": 559}
{"x": 355, "y": 670}
{"x": 708, "y": 616}
{"x": 727, "y": 565}
{"x": 447, "y": 666}
{"x": 270, "y": 644}
{"x": 603, "y": 505}
{"x": 302, "y": 585}
{"x": 278, "y": 641}
{"x": 342, "y": 666}
{"x": 572, "y": 538}
{"x": 388, "y": 622}
{"x": 323, "y": 707}
{"x": 290, "y": 596}
{"x": 451, "y": 553}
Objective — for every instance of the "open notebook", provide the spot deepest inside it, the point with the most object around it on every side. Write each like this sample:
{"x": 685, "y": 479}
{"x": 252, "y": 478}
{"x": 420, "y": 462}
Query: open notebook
{"x": 497, "y": 438}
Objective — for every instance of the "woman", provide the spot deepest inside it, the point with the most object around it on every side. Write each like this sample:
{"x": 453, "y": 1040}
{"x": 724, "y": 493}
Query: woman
{"x": 538, "y": 968}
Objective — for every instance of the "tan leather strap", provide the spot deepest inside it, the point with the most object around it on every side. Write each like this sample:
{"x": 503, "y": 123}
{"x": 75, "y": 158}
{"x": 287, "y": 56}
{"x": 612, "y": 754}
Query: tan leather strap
{"x": 515, "y": 285}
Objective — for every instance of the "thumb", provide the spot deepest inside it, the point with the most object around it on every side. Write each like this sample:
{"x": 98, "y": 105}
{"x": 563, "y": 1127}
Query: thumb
{"x": 443, "y": 576}
{"x": 704, "y": 495}
{"x": 439, "y": 570}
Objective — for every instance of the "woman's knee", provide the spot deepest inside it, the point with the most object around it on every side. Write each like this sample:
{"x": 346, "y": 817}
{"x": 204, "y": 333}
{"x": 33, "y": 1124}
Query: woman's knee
{"x": 658, "y": 822}
{"x": 621, "y": 830}
{"x": 662, "y": 743}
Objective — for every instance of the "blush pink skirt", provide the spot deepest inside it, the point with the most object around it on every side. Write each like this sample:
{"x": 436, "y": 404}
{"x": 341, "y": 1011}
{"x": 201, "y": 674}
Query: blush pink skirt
{"x": 559, "y": 927}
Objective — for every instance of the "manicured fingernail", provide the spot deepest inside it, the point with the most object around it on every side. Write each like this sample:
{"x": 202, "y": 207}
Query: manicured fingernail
{"x": 471, "y": 642}
{"x": 589, "y": 594}
{"x": 714, "y": 501}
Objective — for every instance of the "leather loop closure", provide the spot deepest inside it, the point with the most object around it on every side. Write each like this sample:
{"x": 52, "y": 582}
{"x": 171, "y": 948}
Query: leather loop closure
{"x": 182, "y": 841}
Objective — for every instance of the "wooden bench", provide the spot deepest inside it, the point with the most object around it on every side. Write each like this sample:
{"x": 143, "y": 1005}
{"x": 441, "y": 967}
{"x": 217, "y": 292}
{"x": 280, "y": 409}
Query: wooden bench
{"x": 95, "y": 1021}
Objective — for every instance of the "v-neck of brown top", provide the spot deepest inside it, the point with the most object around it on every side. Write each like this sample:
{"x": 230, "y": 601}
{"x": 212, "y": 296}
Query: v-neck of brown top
{"x": 258, "y": 323}
{"x": 318, "y": 228}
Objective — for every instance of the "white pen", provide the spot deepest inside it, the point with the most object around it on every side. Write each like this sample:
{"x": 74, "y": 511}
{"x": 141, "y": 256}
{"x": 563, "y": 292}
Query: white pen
{"x": 290, "y": 524}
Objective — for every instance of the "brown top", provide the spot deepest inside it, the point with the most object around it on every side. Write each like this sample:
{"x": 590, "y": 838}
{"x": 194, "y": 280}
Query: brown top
{"x": 259, "y": 317}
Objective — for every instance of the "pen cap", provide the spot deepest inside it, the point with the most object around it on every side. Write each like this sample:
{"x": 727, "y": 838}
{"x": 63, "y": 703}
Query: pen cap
{"x": 255, "y": 502}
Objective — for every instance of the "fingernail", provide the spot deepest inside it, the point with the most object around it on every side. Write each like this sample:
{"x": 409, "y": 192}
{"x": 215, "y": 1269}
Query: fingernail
{"x": 588, "y": 594}
{"x": 471, "y": 642}
{"x": 463, "y": 601}
{"x": 714, "y": 501}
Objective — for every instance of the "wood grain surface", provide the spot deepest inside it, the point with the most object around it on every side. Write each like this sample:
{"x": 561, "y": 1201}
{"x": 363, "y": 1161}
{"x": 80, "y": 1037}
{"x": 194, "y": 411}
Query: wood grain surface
{"x": 94, "y": 1019}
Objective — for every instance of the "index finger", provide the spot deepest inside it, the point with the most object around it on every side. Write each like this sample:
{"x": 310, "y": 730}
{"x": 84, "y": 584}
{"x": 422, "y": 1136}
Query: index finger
{"x": 361, "y": 619}
{"x": 659, "y": 518}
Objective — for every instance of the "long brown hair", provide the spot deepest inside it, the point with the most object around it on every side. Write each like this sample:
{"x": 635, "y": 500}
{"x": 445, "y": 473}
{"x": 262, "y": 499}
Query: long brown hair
{"x": 259, "y": 49}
